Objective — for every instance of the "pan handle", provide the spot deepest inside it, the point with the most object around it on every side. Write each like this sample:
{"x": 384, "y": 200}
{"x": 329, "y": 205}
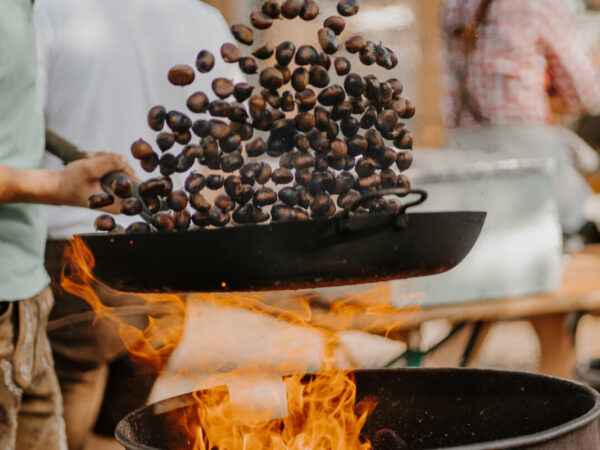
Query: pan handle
{"x": 61, "y": 148}
{"x": 67, "y": 153}
{"x": 401, "y": 219}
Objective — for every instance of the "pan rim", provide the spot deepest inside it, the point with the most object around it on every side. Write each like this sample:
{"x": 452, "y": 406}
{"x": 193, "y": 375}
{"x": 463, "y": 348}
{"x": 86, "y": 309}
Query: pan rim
{"x": 481, "y": 215}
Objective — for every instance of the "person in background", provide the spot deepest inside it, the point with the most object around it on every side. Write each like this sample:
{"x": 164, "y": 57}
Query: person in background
{"x": 501, "y": 57}
{"x": 102, "y": 65}
{"x": 30, "y": 400}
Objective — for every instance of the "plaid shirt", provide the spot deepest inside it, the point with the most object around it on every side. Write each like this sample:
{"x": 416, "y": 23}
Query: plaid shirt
{"x": 523, "y": 46}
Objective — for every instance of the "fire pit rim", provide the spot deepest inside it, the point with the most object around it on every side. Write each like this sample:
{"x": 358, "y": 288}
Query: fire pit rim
{"x": 513, "y": 442}
{"x": 541, "y": 436}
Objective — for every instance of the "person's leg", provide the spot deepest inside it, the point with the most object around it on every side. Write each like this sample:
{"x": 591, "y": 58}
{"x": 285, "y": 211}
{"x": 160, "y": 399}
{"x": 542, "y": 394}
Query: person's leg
{"x": 10, "y": 393}
{"x": 98, "y": 442}
{"x": 81, "y": 359}
{"x": 40, "y": 422}
{"x": 128, "y": 389}
{"x": 131, "y": 379}
{"x": 82, "y": 390}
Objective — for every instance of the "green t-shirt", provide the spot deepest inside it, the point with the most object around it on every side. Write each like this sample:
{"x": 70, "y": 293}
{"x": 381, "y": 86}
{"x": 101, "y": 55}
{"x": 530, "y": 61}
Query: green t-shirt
{"x": 22, "y": 226}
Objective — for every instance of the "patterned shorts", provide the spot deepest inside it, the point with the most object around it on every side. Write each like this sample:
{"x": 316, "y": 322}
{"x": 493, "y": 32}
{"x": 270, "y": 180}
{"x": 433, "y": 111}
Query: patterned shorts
{"x": 30, "y": 400}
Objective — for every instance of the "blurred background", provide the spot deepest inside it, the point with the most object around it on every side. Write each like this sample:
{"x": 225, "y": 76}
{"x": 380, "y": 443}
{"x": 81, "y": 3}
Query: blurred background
{"x": 411, "y": 29}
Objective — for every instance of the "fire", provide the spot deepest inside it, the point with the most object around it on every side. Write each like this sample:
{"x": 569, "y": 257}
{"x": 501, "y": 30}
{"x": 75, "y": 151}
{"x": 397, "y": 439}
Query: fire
{"x": 316, "y": 412}
{"x": 150, "y": 346}
{"x": 322, "y": 414}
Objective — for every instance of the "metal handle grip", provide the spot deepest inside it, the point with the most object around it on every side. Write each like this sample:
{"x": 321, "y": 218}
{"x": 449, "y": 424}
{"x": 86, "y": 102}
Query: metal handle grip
{"x": 399, "y": 192}
{"x": 400, "y": 219}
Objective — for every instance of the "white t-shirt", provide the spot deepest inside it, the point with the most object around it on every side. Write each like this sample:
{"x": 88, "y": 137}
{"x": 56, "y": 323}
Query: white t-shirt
{"x": 103, "y": 64}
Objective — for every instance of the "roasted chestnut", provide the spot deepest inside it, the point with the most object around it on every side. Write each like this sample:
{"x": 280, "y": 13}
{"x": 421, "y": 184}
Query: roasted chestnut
{"x": 178, "y": 122}
{"x": 122, "y": 187}
{"x": 305, "y": 121}
{"x": 198, "y": 102}
{"x": 332, "y": 95}
{"x": 271, "y": 78}
{"x": 156, "y": 117}
{"x": 182, "y": 220}
{"x": 367, "y": 54}
{"x": 100, "y": 200}
{"x": 328, "y": 40}
{"x": 342, "y": 66}
{"x": 195, "y": 182}
{"x": 355, "y": 44}
{"x": 181, "y": 75}
{"x": 285, "y": 53}
{"x": 165, "y": 140}
{"x": 260, "y": 20}
{"x": 264, "y": 51}
{"x": 349, "y": 126}
{"x": 310, "y": 10}
{"x": 271, "y": 8}
{"x": 305, "y": 55}
{"x": 336, "y": 24}
{"x": 205, "y": 61}
{"x": 138, "y": 228}
{"x": 291, "y": 8}
{"x": 163, "y": 221}
{"x": 282, "y": 176}
{"x": 230, "y": 53}
{"x": 243, "y": 34}
{"x": 306, "y": 100}
{"x": 347, "y": 7}
{"x": 264, "y": 197}
{"x": 300, "y": 79}
{"x": 230, "y": 162}
{"x": 318, "y": 76}
{"x": 248, "y": 65}
{"x": 150, "y": 163}
{"x": 105, "y": 222}
{"x": 404, "y": 160}
{"x": 242, "y": 92}
{"x": 140, "y": 149}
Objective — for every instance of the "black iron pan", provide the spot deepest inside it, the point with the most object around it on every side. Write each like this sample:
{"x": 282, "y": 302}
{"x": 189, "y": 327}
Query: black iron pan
{"x": 347, "y": 249}
{"x": 320, "y": 252}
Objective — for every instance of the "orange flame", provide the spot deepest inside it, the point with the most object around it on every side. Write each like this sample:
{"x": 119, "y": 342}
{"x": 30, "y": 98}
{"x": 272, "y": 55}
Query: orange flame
{"x": 150, "y": 346}
{"x": 323, "y": 414}
{"x": 321, "y": 410}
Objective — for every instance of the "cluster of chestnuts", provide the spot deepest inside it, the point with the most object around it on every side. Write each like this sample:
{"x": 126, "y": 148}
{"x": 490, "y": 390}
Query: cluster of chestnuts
{"x": 333, "y": 141}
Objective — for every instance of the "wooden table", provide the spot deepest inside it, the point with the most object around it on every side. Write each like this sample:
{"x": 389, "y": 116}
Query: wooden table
{"x": 580, "y": 290}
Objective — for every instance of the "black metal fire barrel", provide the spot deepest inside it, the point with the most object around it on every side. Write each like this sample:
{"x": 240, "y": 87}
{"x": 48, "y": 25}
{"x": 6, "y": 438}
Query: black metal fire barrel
{"x": 427, "y": 409}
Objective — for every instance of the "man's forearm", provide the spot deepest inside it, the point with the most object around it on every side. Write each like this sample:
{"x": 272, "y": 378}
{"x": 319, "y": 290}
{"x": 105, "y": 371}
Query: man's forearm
{"x": 29, "y": 186}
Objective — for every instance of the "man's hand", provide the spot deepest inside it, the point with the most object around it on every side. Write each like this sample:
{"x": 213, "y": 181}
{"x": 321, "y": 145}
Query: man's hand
{"x": 81, "y": 179}
{"x": 71, "y": 186}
